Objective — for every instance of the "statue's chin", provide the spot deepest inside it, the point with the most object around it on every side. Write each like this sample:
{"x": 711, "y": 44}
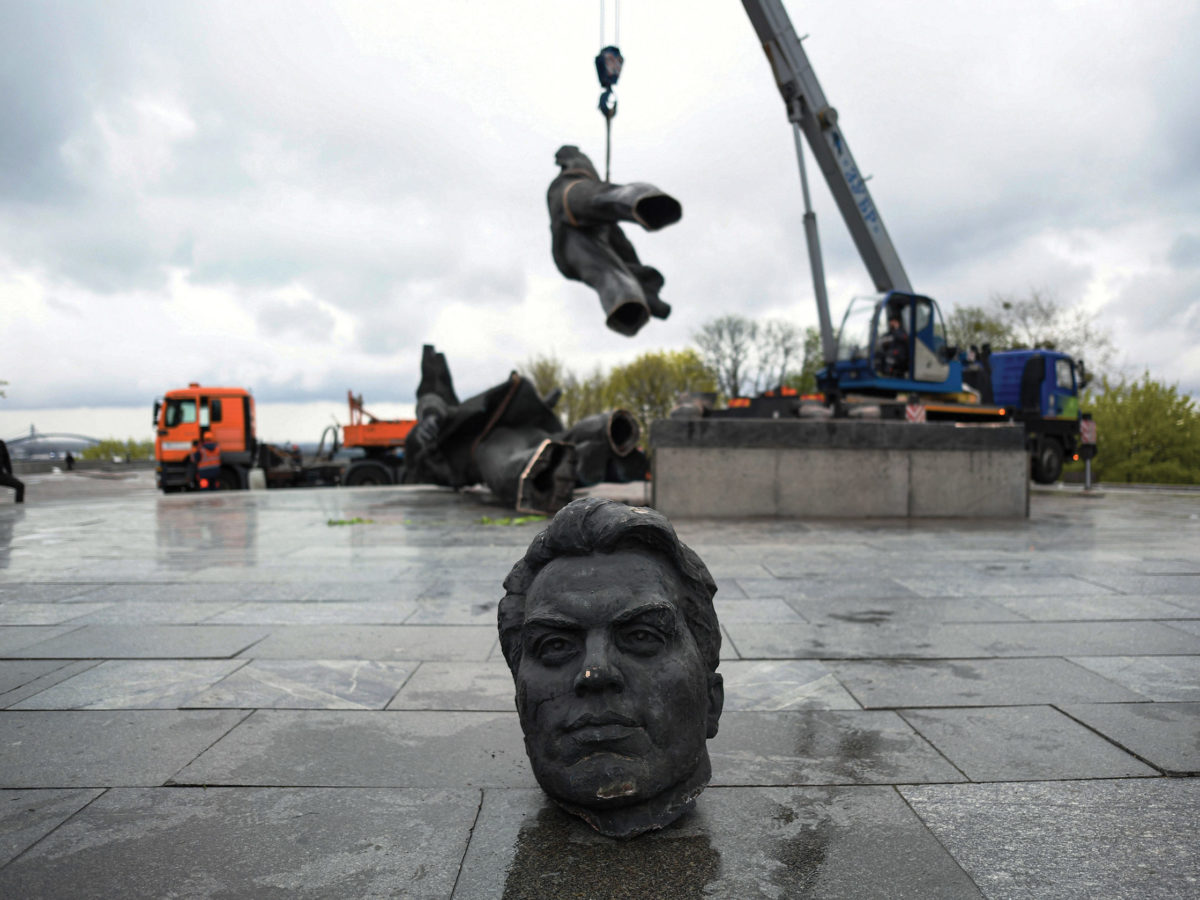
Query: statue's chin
{"x": 621, "y": 817}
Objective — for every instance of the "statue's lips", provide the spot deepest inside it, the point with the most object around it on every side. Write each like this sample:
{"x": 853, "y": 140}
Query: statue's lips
{"x": 601, "y": 728}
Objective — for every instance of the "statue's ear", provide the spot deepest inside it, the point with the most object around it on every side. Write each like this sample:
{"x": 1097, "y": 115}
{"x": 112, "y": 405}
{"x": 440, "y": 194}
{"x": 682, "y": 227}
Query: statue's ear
{"x": 716, "y": 702}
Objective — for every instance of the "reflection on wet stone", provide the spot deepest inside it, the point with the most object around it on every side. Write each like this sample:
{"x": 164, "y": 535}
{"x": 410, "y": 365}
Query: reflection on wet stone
{"x": 801, "y": 853}
{"x": 553, "y": 853}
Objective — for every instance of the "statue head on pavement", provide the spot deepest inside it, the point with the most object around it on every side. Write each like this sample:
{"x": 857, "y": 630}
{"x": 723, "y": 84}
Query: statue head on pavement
{"x": 609, "y": 629}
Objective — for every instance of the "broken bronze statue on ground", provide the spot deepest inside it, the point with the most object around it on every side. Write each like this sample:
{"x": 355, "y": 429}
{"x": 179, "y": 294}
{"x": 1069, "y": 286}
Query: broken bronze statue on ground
{"x": 509, "y": 438}
{"x": 609, "y": 629}
{"x": 589, "y": 246}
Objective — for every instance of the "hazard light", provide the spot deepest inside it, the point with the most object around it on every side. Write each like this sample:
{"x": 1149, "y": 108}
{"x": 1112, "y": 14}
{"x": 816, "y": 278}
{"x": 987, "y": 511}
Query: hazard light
{"x": 1002, "y": 410}
{"x": 204, "y": 483}
{"x": 739, "y": 402}
{"x": 1075, "y": 458}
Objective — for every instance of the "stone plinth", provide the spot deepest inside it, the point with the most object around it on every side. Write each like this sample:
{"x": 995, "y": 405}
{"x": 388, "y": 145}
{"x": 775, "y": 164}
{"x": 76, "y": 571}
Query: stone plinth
{"x": 838, "y": 468}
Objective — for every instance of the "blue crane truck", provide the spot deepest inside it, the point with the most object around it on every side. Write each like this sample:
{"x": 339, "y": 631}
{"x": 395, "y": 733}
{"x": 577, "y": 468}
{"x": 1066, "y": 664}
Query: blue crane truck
{"x": 891, "y": 349}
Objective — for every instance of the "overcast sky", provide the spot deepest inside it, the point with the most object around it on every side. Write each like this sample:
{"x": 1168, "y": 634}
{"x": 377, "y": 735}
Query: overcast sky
{"x": 294, "y": 197}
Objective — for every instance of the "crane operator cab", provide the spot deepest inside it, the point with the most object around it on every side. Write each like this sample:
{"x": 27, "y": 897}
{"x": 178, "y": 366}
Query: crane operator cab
{"x": 896, "y": 342}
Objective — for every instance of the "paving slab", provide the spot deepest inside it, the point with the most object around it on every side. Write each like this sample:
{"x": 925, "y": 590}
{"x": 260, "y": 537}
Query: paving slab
{"x": 41, "y": 592}
{"x": 899, "y": 610}
{"x": 58, "y": 670}
{"x": 758, "y": 609}
{"x": 851, "y": 640}
{"x": 306, "y": 684}
{"x": 146, "y": 642}
{"x": 142, "y": 612}
{"x": 1092, "y": 607}
{"x": 28, "y": 816}
{"x": 1022, "y": 743}
{"x": 132, "y": 684}
{"x": 85, "y": 748}
{"x": 1131, "y": 638}
{"x": 307, "y": 842}
{"x": 391, "y": 642}
{"x": 818, "y": 747}
{"x": 1171, "y": 678}
{"x": 948, "y": 584}
{"x": 738, "y": 842}
{"x": 34, "y": 613}
{"x": 484, "y": 687}
{"x": 320, "y": 612}
{"x": 1069, "y": 840}
{"x": 367, "y": 749}
{"x": 1154, "y": 585}
{"x": 777, "y": 685}
{"x": 481, "y": 610}
{"x": 17, "y": 672}
{"x": 1166, "y": 735}
{"x": 15, "y": 638}
{"x": 894, "y": 683}
{"x": 1187, "y": 626}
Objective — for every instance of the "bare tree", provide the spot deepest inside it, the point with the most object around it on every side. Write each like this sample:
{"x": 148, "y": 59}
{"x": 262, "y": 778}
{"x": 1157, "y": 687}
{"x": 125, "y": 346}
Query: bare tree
{"x": 1037, "y": 320}
{"x": 727, "y": 347}
{"x": 780, "y": 347}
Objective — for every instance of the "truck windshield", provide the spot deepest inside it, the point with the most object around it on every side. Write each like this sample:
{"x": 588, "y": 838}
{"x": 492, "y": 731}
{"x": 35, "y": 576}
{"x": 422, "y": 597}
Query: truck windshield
{"x": 854, "y": 337}
{"x": 180, "y": 412}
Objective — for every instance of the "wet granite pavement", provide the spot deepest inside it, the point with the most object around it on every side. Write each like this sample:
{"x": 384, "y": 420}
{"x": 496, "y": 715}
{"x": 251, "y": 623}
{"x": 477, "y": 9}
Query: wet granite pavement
{"x": 235, "y": 696}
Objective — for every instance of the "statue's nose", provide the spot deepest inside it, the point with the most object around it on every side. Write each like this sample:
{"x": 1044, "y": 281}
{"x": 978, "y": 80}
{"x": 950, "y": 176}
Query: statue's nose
{"x": 600, "y": 669}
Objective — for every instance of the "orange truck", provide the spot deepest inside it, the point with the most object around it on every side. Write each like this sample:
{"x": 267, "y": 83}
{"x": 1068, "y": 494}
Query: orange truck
{"x": 181, "y": 416}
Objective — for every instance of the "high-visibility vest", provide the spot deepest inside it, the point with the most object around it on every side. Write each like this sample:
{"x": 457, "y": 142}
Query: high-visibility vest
{"x": 208, "y": 456}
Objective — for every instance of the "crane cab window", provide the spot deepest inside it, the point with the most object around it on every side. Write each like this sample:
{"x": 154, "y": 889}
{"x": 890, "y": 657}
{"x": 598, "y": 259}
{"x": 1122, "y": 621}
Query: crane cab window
{"x": 858, "y": 326}
{"x": 180, "y": 412}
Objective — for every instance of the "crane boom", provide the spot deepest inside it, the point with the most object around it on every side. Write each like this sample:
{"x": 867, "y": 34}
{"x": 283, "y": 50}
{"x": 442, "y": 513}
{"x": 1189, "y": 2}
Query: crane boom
{"x": 809, "y": 110}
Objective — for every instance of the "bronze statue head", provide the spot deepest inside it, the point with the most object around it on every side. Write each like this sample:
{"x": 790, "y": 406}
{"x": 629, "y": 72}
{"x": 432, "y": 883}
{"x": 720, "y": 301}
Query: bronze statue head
{"x": 609, "y": 629}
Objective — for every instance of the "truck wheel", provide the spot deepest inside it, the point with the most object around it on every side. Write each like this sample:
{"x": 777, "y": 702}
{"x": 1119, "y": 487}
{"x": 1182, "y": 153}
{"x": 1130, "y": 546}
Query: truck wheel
{"x": 1049, "y": 462}
{"x": 368, "y": 473}
{"x": 230, "y": 479}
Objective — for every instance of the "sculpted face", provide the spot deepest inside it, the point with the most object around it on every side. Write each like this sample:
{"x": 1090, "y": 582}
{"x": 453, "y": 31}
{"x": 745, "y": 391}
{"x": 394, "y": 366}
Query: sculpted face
{"x": 614, "y": 698}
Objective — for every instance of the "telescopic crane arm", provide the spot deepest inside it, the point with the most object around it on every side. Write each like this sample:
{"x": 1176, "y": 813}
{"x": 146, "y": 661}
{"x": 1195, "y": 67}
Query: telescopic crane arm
{"x": 810, "y": 113}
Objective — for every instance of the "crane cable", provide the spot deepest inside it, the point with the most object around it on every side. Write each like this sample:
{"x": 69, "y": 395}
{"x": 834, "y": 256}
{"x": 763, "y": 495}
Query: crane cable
{"x": 608, "y": 70}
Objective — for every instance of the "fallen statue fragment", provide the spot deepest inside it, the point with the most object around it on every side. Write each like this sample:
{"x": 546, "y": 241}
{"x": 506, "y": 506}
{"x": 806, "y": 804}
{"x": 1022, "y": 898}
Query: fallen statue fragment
{"x": 509, "y": 438}
{"x": 608, "y": 627}
{"x": 589, "y": 246}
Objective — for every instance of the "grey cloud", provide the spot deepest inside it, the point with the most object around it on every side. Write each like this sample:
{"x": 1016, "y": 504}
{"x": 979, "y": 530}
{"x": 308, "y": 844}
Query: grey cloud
{"x": 1185, "y": 251}
{"x": 303, "y": 318}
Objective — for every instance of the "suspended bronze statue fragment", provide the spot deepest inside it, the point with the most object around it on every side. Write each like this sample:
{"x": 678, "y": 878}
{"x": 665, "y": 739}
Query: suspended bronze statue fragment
{"x": 589, "y": 246}
{"x": 608, "y": 627}
{"x": 509, "y": 438}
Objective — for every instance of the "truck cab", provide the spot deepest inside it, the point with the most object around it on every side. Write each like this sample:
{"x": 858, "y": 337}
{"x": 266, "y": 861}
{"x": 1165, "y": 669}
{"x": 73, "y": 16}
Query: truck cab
{"x": 893, "y": 343}
{"x": 183, "y": 415}
{"x": 1043, "y": 387}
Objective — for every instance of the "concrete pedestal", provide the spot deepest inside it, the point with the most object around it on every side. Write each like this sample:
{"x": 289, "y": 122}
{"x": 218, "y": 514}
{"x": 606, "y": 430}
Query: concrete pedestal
{"x": 838, "y": 468}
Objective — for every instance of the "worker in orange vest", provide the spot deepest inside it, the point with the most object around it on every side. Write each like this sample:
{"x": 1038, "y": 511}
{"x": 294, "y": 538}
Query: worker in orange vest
{"x": 208, "y": 462}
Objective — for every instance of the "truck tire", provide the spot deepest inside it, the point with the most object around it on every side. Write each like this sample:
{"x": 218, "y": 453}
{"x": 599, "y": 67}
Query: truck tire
{"x": 1048, "y": 463}
{"x": 365, "y": 474}
{"x": 231, "y": 480}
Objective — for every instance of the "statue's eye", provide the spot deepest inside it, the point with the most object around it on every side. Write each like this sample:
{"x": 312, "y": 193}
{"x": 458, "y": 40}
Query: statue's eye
{"x": 554, "y": 648}
{"x": 642, "y": 639}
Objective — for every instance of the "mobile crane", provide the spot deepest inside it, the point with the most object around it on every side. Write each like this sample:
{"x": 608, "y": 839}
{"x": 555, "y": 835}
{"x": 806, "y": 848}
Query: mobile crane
{"x": 1035, "y": 387}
